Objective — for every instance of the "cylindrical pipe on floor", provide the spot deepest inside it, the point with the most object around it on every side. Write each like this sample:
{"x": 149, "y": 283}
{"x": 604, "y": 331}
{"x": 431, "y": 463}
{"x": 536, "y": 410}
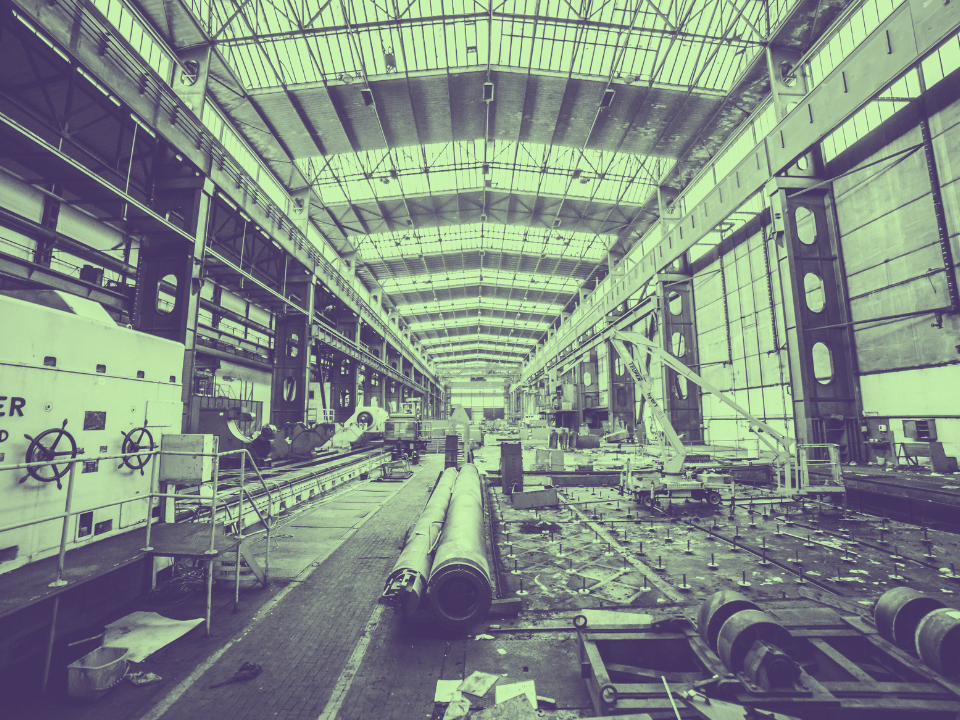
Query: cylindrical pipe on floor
{"x": 897, "y": 614}
{"x": 460, "y": 591}
{"x": 407, "y": 582}
{"x": 938, "y": 641}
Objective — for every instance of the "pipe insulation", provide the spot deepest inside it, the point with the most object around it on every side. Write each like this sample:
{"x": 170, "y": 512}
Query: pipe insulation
{"x": 408, "y": 580}
{"x": 459, "y": 589}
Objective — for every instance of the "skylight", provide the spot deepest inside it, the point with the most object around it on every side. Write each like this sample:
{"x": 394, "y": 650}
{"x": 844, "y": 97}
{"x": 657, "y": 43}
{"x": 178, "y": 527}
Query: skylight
{"x": 465, "y": 165}
{"x": 437, "y": 281}
{"x": 485, "y": 236}
{"x": 476, "y": 322}
{"x": 489, "y": 347}
{"x": 537, "y": 308}
{"x": 698, "y": 43}
{"x": 431, "y": 343}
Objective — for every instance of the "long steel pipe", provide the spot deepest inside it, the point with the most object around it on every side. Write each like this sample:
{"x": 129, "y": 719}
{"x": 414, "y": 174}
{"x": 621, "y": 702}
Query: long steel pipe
{"x": 407, "y": 582}
{"x": 459, "y": 590}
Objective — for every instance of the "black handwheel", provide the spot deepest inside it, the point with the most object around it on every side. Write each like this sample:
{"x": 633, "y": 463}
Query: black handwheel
{"x": 40, "y": 451}
{"x": 133, "y": 443}
{"x": 365, "y": 418}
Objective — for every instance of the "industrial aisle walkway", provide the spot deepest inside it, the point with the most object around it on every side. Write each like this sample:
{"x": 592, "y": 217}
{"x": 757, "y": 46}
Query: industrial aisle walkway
{"x": 309, "y": 634}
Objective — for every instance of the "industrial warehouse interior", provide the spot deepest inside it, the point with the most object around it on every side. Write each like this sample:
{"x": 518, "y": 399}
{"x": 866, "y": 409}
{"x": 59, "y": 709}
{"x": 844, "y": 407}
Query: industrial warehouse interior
{"x": 481, "y": 359}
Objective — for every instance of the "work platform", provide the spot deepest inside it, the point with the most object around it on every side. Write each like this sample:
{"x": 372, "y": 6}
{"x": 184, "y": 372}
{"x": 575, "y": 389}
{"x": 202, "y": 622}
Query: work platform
{"x": 30, "y": 584}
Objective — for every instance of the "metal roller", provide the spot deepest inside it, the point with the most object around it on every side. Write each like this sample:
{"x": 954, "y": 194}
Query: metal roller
{"x": 742, "y": 630}
{"x": 938, "y": 641}
{"x": 716, "y": 610}
{"x": 460, "y": 589}
{"x": 407, "y": 581}
{"x": 897, "y": 614}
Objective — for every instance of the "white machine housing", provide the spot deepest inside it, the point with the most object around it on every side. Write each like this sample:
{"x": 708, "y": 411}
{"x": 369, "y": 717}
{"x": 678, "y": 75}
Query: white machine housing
{"x": 364, "y": 420}
{"x": 64, "y": 358}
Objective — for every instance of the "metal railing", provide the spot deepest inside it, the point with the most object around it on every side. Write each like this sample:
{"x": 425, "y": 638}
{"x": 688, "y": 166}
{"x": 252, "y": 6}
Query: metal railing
{"x": 69, "y": 512}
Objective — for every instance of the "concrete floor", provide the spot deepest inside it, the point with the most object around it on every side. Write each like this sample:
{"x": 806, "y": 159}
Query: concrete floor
{"x": 329, "y": 651}
{"x": 605, "y": 550}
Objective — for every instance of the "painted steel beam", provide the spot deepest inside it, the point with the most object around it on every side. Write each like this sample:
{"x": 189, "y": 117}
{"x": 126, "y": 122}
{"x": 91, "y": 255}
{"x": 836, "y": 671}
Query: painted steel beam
{"x": 30, "y": 273}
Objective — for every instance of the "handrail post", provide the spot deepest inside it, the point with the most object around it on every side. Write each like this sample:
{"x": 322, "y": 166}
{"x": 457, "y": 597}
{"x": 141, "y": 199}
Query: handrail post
{"x": 243, "y": 471}
{"x": 213, "y": 507}
{"x": 213, "y": 541}
{"x": 48, "y": 660}
{"x": 154, "y": 489}
{"x": 236, "y": 566}
{"x": 61, "y": 558}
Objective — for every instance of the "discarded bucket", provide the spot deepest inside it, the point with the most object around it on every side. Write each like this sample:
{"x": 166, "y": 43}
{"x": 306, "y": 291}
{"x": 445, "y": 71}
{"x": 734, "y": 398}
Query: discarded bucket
{"x": 96, "y": 672}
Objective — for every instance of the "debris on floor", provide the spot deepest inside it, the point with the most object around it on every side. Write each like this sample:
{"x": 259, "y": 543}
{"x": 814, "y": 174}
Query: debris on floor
{"x": 143, "y": 633}
{"x": 516, "y": 708}
{"x": 142, "y": 678}
{"x": 459, "y": 707}
{"x": 526, "y": 688}
{"x": 247, "y": 671}
{"x": 478, "y": 683}
{"x": 445, "y": 690}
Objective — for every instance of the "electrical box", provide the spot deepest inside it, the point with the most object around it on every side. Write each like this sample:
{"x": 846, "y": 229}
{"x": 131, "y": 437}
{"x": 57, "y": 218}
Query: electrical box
{"x": 193, "y": 467}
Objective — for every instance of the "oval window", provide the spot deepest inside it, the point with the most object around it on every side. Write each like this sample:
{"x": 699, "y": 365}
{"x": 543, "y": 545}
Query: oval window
{"x": 293, "y": 345}
{"x": 677, "y": 344}
{"x": 788, "y": 74}
{"x": 587, "y": 377}
{"x": 803, "y": 163}
{"x": 680, "y": 387}
{"x": 289, "y": 389}
{"x": 621, "y": 397}
{"x": 675, "y": 303}
{"x": 166, "y": 299}
{"x": 813, "y": 290}
{"x": 806, "y": 226}
{"x": 822, "y": 363}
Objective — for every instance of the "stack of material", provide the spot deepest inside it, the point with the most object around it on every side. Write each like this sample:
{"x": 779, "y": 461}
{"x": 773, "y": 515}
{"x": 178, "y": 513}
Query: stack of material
{"x": 407, "y": 582}
{"x": 457, "y": 579}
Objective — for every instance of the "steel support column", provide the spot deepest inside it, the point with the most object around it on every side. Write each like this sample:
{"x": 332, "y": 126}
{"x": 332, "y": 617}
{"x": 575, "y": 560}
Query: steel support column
{"x": 343, "y": 388}
{"x": 621, "y": 391}
{"x": 826, "y": 403}
{"x": 292, "y": 350}
{"x": 178, "y": 261}
{"x": 678, "y": 336}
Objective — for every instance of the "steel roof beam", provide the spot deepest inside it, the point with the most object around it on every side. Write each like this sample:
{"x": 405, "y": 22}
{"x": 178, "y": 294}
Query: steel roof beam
{"x": 466, "y": 17}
